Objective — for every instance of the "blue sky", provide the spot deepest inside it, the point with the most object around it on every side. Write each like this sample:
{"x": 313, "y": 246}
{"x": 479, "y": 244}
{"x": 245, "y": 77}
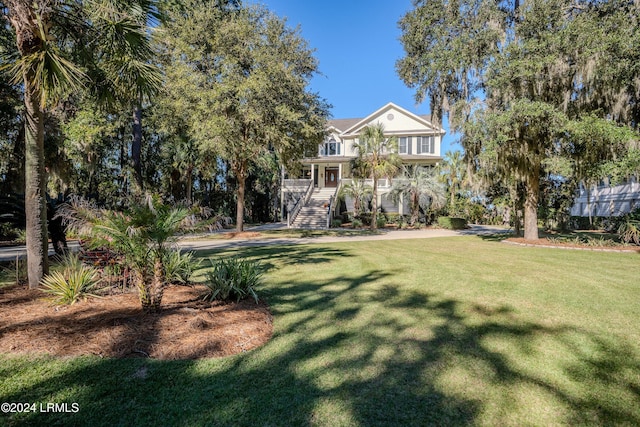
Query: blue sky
{"x": 357, "y": 44}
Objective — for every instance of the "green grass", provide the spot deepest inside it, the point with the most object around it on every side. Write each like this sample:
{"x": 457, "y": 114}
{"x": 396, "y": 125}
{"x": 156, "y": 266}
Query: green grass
{"x": 453, "y": 331}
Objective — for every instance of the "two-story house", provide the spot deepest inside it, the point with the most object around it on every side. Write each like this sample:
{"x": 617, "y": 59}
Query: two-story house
{"x": 419, "y": 143}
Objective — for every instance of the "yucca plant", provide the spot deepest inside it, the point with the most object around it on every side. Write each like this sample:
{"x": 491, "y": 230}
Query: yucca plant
{"x": 233, "y": 278}
{"x": 70, "y": 285}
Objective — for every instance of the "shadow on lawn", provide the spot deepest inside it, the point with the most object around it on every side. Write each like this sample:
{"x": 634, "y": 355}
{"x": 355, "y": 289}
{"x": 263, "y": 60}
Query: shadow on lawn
{"x": 346, "y": 352}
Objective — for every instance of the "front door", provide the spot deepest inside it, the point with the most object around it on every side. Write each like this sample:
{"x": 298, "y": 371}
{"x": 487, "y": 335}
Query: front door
{"x": 331, "y": 177}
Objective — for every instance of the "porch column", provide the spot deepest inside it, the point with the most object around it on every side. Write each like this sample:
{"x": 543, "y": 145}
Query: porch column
{"x": 339, "y": 172}
{"x": 313, "y": 175}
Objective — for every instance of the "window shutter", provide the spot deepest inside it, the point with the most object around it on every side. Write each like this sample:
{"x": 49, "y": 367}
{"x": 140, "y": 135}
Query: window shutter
{"x": 419, "y": 145}
{"x": 409, "y": 141}
{"x": 432, "y": 148}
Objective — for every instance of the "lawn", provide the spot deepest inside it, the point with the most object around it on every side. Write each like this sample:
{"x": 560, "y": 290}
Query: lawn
{"x": 444, "y": 331}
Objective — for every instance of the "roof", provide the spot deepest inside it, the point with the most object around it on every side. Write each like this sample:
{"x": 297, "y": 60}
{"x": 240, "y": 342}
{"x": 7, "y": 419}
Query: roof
{"x": 349, "y": 126}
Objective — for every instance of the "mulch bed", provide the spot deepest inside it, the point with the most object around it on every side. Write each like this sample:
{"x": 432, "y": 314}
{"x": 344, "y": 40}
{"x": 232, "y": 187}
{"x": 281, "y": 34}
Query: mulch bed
{"x": 115, "y": 326}
{"x": 567, "y": 245}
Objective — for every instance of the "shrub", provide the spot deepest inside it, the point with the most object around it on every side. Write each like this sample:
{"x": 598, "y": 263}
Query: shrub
{"x": 381, "y": 221}
{"x": 365, "y": 218}
{"x": 72, "y": 282}
{"x": 356, "y": 223}
{"x": 629, "y": 231}
{"x": 233, "y": 278}
{"x": 336, "y": 223}
{"x": 452, "y": 223}
{"x": 179, "y": 266}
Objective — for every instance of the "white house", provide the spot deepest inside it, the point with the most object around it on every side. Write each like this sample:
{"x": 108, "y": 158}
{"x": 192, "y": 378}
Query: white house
{"x": 419, "y": 142}
{"x": 606, "y": 200}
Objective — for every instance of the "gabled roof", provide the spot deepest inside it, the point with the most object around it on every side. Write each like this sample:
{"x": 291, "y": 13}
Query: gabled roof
{"x": 342, "y": 124}
{"x": 354, "y": 125}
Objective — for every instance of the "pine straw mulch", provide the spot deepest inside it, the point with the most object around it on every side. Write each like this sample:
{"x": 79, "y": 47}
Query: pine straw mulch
{"x": 115, "y": 326}
{"x": 546, "y": 243}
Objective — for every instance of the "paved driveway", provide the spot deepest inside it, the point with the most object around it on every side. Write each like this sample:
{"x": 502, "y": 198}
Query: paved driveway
{"x": 10, "y": 253}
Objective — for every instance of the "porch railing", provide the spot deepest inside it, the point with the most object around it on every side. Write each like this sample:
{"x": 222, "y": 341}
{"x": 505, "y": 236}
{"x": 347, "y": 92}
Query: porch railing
{"x": 291, "y": 216}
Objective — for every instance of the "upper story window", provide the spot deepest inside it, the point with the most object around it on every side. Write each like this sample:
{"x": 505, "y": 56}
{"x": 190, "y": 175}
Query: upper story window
{"x": 330, "y": 148}
{"x": 426, "y": 145}
{"x": 404, "y": 145}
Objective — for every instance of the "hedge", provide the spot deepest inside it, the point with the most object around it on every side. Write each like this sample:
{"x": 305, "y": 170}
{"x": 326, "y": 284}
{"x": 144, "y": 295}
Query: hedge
{"x": 452, "y": 223}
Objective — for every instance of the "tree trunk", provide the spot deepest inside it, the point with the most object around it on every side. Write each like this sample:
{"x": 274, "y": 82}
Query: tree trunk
{"x": 158, "y": 284}
{"x": 241, "y": 177}
{"x": 35, "y": 185}
{"x": 189, "y": 185}
{"x": 374, "y": 205}
{"x": 136, "y": 147}
{"x": 531, "y": 205}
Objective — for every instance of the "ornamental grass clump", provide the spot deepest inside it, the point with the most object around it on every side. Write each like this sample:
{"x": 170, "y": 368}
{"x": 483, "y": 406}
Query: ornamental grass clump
{"x": 233, "y": 278}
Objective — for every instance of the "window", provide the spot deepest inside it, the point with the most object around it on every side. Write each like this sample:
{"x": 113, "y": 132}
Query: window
{"x": 330, "y": 148}
{"x": 426, "y": 145}
{"x": 403, "y": 143}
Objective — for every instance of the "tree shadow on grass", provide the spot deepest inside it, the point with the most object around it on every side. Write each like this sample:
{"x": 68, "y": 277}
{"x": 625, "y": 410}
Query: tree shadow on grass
{"x": 359, "y": 350}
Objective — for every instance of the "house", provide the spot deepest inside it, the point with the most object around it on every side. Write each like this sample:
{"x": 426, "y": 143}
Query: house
{"x": 604, "y": 200}
{"x": 322, "y": 174}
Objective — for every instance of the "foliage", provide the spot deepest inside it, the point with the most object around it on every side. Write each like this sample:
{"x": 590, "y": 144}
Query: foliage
{"x": 336, "y": 223}
{"x": 359, "y": 192}
{"x": 14, "y": 271}
{"x": 452, "y": 223}
{"x": 381, "y": 221}
{"x": 180, "y": 266}
{"x": 421, "y": 187}
{"x": 525, "y": 82}
{"x": 233, "y": 278}
{"x": 246, "y": 102}
{"x": 630, "y": 231}
{"x": 142, "y": 234}
{"x": 71, "y": 282}
{"x": 356, "y": 223}
{"x": 379, "y": 154}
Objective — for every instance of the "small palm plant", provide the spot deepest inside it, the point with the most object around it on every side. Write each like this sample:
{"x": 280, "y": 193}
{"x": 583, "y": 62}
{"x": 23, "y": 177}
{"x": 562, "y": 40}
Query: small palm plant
{"x": 421, "y": 187}
{"x": 359, "y": 192}
{"x": 143, "y": 235}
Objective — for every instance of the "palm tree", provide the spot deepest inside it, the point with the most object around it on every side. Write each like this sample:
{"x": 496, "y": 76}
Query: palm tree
{"x": 56, "y": 40}
{"x": 453, "y": 173}
{"x": 379, "y": 153}
{"x": 142, "y": 235}
{"x": 420, "y": 185}
{"x": 359, "y": 192}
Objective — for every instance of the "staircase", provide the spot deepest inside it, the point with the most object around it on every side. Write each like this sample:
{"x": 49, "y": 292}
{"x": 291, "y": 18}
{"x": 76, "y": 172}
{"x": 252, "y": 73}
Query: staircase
{"x": 314, "y": 214}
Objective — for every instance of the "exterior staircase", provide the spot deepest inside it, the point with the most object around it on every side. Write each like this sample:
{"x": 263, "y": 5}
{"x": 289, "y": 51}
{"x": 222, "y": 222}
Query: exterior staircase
{"x": 314, "y": 213}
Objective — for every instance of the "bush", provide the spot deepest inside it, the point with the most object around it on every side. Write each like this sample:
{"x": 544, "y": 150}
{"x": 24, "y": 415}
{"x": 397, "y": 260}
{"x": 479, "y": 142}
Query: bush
{"x": 336, "y": 223}
{"x": 233, "y": 278}
{"x": 356, "y": 223}
{"x": 179, "y": 267}
{"x": 365, "y": 218}
{"x": 73, "y": 282}
{"x": 629, "y": 231}
{"x": 451, "y": 223}
{"x": 381, "y": 222}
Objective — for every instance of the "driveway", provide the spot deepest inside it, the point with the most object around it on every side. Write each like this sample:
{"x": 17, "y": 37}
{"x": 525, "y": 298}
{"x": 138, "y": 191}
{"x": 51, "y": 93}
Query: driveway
{"x": 10, "y": 253}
